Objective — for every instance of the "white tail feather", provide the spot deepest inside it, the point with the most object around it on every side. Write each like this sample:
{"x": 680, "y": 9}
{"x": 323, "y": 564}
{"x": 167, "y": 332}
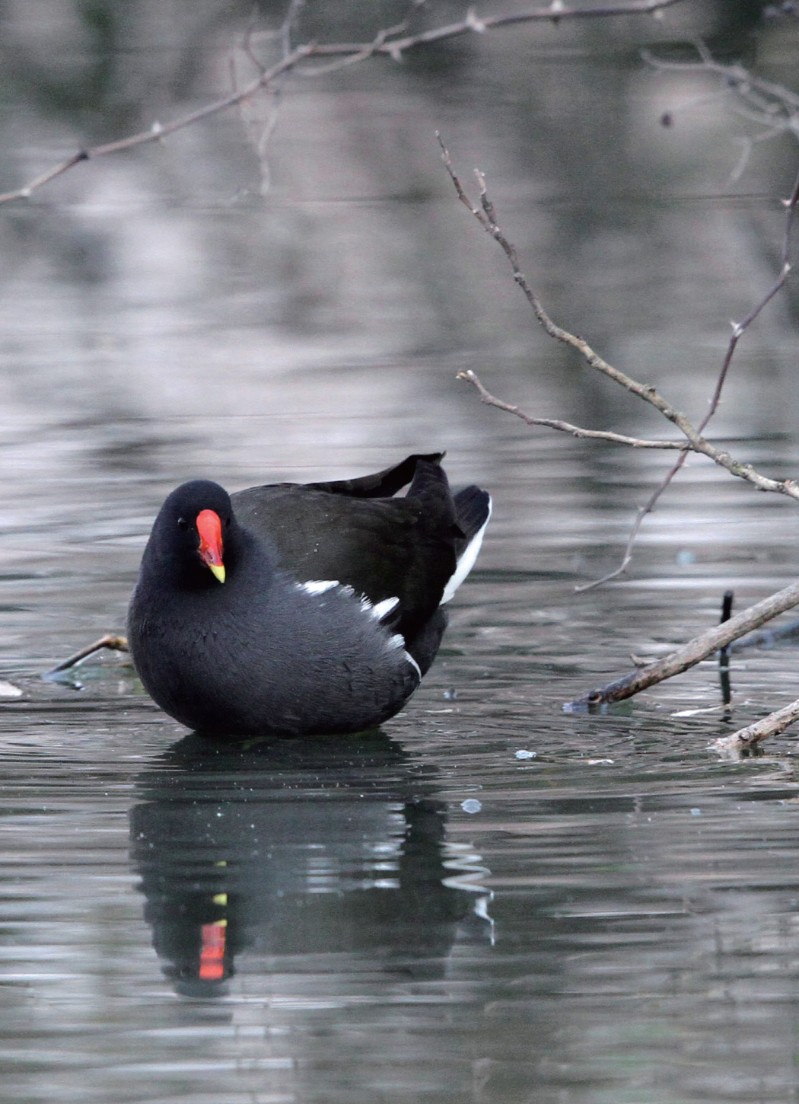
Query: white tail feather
{"x": 467, "y": 560}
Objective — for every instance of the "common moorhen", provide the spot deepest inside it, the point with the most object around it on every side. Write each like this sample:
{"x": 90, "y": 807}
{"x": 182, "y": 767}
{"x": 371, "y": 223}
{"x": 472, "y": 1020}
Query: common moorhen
{"x": 301, "y": 608}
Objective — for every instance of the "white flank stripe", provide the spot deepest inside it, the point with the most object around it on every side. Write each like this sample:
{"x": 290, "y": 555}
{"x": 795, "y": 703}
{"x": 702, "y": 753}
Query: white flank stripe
{"x": 398, "y": 641}
{"x": 322, "y": 586}
{"x": 318, "y": 586}
{"x": 413, "y": 664}
{"x": 384, "y": 608}
{"x": 467, "y": 560}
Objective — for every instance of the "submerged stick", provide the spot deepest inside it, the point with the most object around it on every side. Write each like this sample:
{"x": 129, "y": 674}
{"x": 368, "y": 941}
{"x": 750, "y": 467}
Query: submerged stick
{"x": 115, "y": 643}
{"x": 724, "y": 653}
{"x": 745, "y": 739}
{"x": 691, "y": 653}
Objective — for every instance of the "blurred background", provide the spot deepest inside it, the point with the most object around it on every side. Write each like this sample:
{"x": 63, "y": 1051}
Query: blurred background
{"x": 287, "y": 288}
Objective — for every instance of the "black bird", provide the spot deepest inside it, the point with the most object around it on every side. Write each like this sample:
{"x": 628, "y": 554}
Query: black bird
{"x": 301, "y": 608}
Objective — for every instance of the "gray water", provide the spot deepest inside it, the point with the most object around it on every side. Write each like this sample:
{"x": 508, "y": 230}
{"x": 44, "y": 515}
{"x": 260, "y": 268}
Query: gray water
{"x": 492, "y": 899}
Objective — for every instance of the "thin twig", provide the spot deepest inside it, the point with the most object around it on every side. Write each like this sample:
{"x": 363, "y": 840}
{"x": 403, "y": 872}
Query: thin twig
{"x": 258, "y": 131}
{"x": 768, "y": 96}
{"x": 290, "y": 20}
{"x": 159, "y": 131}
{"x": 635, "y": 529}
{"x": 470, "y": 376}
{"x": 740, "y": 328}
{"x": 554, "y": 12}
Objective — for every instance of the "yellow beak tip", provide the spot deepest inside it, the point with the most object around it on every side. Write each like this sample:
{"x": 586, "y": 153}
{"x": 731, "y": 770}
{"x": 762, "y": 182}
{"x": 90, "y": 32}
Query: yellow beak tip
{"x": 218, "y": 571}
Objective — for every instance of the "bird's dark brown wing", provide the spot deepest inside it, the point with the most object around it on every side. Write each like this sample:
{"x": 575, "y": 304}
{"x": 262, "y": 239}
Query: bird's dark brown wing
{"x": 381, "y": 546}
{"x": 383, "y": 484}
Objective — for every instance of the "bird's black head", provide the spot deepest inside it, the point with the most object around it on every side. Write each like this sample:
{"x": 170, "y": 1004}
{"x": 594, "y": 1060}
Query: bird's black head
{"x": 194, "y": 535}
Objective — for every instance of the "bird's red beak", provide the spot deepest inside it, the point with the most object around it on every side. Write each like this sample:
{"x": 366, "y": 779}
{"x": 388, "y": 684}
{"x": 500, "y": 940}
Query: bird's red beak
{"x": 209, "y": 526}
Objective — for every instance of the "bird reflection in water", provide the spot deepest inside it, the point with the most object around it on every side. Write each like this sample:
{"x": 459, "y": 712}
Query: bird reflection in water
{"x": 300, "y": 848}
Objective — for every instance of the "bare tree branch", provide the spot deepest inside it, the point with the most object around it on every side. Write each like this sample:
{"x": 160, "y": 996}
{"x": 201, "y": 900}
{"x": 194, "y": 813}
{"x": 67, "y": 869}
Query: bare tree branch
{"x": 691, "y": 653}
{"x": 745, "y": 739}
{"x": 768, "y": 99}
{"x": 719, "y": 636}
{"x": 111, "y": 641}
{"x": 695, "y": 440}
{"x": 486, "y": 216}
{"x": 391, "y": 42}
{"x": 160, "y": 131}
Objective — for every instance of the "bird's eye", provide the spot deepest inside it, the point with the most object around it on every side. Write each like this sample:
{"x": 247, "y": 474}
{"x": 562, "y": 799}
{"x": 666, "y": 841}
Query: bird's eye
{"x": 227, "y": 522}
{"x": 182, "y": 523}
